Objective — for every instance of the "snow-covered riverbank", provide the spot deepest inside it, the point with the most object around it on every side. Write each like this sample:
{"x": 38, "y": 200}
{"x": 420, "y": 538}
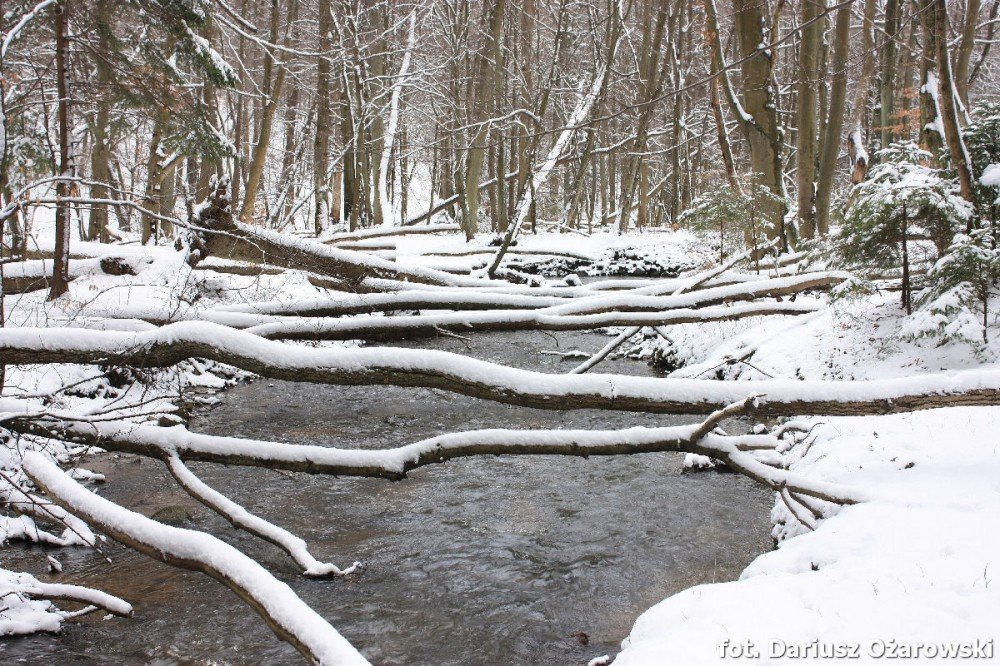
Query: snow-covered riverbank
{"x": 910, "y": 576}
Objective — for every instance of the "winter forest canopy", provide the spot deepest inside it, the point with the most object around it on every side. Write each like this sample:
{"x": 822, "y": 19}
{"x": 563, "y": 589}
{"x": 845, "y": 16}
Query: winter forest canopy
{"x": 773, "y": 222}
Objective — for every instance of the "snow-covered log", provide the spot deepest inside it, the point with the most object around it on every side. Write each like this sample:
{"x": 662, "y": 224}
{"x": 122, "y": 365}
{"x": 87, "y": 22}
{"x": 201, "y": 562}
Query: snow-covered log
{"x": 243, "y": 519}
{"x": 285, "y": 613}
{"x": 78, "y": 594}
{"x": 178, "y": 443}
{"x": 439, "y": 299}
{"x": 25, "y": 276}
{"x": 217, "y": 233}
{"x": 413, "y": 326}
{"x": 645, "y": 299}
{"x": 453, "y": 372}
{"x": 652, "y": 295}
{"x": 471, "y": 252}
{"x": 385, "y": 232}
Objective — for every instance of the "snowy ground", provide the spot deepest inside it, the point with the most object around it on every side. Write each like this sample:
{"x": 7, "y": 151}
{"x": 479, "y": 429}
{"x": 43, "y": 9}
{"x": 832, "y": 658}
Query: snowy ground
{"x": 910, "y": 576}
{"x": 913, "y": 572}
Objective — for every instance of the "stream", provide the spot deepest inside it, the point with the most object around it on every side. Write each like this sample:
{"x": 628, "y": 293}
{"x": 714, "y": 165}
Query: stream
{"x": 487, "y": 560}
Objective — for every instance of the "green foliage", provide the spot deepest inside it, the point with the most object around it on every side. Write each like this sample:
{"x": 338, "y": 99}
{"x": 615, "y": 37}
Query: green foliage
{"x": 955, "y": 304}
{"x": 982, "y": 139}
{"x": 729, "y": 216}
{"x": 902, "y": 195}
{"x": 193, "y": 133}
{"x": 162, "y": 60}
{"x": 27, "y": 154}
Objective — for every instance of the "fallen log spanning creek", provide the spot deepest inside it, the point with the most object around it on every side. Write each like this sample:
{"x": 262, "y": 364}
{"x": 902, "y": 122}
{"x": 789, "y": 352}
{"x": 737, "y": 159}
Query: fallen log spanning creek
{"x": 517, "y": 560}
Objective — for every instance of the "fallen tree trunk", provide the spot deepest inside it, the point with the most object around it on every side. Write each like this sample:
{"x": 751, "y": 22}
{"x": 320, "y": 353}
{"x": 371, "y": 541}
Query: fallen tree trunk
{"x": 283, "y": 611}
{"x": 471, "y": 252}
{"x": 452, "y": 372}
{"x": 384, "y": 232}
{"x": 350, "y": 304}
{"x": 417, "y": 326}
{"x": 643, "y": 299}
{"x": 217, "y": 233}
{"x": 394, "y": 464}
{"x": 249, "y": 269}
{"x": 26, "y": 276}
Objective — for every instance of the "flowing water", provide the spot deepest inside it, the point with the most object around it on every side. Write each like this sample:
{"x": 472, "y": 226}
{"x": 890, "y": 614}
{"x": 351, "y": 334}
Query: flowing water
{"x": 488, "y": 560}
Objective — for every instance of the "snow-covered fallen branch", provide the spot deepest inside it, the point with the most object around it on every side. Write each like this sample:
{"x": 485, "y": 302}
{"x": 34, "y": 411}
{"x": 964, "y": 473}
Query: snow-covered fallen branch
{"x": 78, "y": 594}
{"x": 384, "y": 232}
{"x": 174, "y": 444}
{"x": 27, "y": 603}
{"x": 284, "y": 612}
{"x": 243, "y": 519}
{"x": 411, "y": 326}
{"x": 646, "y": 299}
{"x": 453, "y": 372}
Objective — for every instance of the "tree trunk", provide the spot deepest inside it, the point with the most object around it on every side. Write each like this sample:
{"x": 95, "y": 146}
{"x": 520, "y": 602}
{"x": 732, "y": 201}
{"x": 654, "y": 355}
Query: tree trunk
{"x": 489, "y": 65}
{"x": 321, "y": 142}
{"x": 255, "y": 172}
{"x": 763, "y": 128}
{"x": 887, "y": 87}
{"x": 154, "y": 175}
{"x": 806, "y": 129}
{"x": 60, "y": 263}
{"x": 830, "y": 149}
{"x": 965, "y": 47}
{"x": 100, "y": 156}
{"x": 859, "y": 111}
{"x": 949, "y": 106}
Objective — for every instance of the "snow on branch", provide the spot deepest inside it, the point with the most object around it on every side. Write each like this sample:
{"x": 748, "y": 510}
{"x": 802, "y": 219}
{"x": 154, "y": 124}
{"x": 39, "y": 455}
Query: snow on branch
{"x": 453, "y": 372}
{"x": 646, "y": 298}
{"x": 78, "y": 594}
{"x": 285, "y": 613}
{"x": 243, "y": 519}
{"x": 409, "y": 326}
{"x": 27, "y": 603}
{"x": 176, "y": 443}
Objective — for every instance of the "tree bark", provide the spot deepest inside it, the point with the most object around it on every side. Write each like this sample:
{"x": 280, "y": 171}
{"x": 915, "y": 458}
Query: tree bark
{"x": 255, "y": 172}
{"x": 763, "y": 128}
{"x": 965, "y": 46}
{"x": 859, "y": 111}
{"x": 488, "y": 66}
{"x": 60, "y": 263}
{"x": 949, "y": 106}
{"x": 100, "y": 157}
{"x": 806, "y": 127}
{"x": 887, "y": 84}
{"x": 830, "y": 148}
{"x": 321, "y": 143}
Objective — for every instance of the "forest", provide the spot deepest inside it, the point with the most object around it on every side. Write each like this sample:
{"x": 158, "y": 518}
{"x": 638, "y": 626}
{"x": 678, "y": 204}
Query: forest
{"x": 261, "y": 257}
